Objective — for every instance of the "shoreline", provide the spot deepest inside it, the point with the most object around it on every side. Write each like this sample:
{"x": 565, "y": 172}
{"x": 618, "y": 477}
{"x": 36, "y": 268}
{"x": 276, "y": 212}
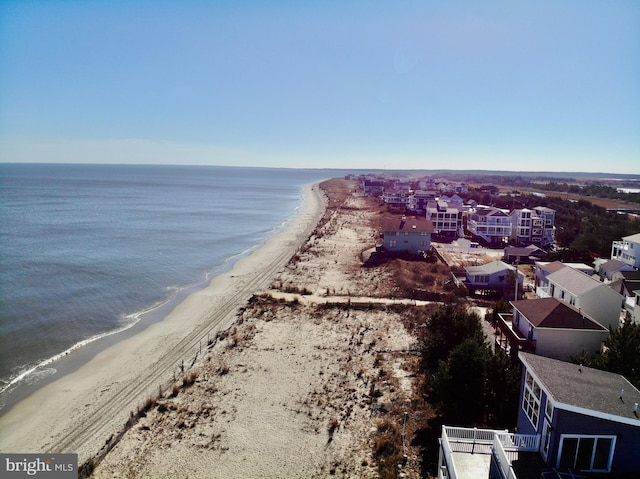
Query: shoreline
{"x": 70, "y": 360}
{"x": 90, "y": 397}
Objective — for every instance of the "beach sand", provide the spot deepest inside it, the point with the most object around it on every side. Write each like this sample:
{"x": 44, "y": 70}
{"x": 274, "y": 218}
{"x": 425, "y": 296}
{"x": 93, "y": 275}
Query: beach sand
{"x": 80, "y": 411}
{"x": 296, "y": 387}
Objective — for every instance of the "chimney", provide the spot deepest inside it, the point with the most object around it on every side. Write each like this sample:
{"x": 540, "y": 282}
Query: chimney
{"x": 621, "y": 394}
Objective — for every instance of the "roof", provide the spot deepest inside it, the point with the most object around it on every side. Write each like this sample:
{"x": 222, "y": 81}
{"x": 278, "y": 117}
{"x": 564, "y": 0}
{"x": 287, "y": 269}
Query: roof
{"x": 544, "y": 208}
{"x": 410, "y": 223}
{"x": 489, "y": 211}
{"x": 489, "y": 268}
{"x": 515, "y": 251}
{"x": 551, "y": 267}
{"x": 630, "y": 275}
{"x": 553, "y": 313}
{"x": 612, "y": 266}
{"x": 634, "y": 238}
{"x": 574, "y": 281}
{"x": 585, "y": 390}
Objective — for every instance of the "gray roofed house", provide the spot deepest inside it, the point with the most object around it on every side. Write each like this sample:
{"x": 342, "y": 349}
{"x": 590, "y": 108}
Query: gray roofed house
{"x": 522, "y": 255}
{"x": 587, "y": 419}
{"x": 585, "y": 293}
{"x": 573, "y": 422}
{"x": 490, "y": 277}
{"x": 609, "y": 268}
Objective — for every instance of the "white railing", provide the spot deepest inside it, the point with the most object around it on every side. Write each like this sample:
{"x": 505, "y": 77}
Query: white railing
{"x": 467, "y": 434}
{"x": 519, "y": 442}
{"x": 448, "y": 456}
{"x": 505, "y": 446}
{"x": 504, "y": 463}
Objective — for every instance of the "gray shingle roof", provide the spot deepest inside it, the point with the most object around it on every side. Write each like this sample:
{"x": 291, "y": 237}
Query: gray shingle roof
{"x": 574, "y": 281}
{"x": 612, "y": 265}
{"x": 489, "y": 268}
{"x": 585, "y": 388}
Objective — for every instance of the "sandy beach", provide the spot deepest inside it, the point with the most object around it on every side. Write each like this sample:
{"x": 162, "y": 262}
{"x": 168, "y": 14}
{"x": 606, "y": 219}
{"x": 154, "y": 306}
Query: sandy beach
{"x": 311, "y": 380}
{"x": 82, "y": 410}
{"x": 310, "y": 374}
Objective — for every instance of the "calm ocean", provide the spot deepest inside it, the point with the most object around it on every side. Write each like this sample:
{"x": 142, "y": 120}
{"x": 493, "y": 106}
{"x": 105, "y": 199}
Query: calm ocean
{"x": 86, "y": 249}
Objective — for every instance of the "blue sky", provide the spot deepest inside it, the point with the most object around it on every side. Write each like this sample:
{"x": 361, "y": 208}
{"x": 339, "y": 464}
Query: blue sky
{"x": 529, "y": 85}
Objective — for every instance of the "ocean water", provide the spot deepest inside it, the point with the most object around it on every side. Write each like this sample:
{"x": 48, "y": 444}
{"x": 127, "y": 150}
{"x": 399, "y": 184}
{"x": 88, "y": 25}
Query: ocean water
{"x": 85, "y": 250}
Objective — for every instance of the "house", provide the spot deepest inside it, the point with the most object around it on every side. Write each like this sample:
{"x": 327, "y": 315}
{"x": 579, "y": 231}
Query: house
{"x": 419, "y": 199}
{"x": 627, "y": 250}
{"x": 396, "y": 197}
{"x": 407, "y": 234}
{"x": 549, "y": 230}
{"x": 446, "y": 217}
{"x": 373, "y": 187}
{"x": 587, "y": 419}
{"x": 627, "y": 283}
{"x": 513, "y": 254}
{"x": 584, "y": 292}
{"x": 489, "y": 224}
{"x": 526, "y": 227}
{"x": 549, "y": 327}
{"x": 545, "y": 268}
{"x": 491, "y": 277}
{"x": 573, "y": 421}
{"x": 609, "y": 268}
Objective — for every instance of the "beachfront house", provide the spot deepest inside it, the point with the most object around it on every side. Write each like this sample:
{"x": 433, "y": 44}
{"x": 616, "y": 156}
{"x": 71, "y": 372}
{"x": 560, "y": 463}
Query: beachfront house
{"x": 489, "y": 224}
{"x": 573, "y": 422}
{"x": 446, "y": 218}
{"x": 584, "y": 292}
{"x": 408, "y": 234}
{"x": 395, "y": 197}
{"x": 627, "y": 250}
{"x": 492, "y": 278}
{"x": 549, "y": 327}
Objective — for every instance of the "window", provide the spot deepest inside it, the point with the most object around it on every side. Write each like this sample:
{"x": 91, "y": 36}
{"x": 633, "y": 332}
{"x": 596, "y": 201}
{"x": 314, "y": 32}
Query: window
{"x": 393, "y": 243}
{"x": 549, "y": 409}
{"x": 586, "y": 453}
{"x": 531, "y": 400}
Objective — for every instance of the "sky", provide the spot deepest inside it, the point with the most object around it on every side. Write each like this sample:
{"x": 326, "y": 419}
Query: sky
{"x": 501, "y": 85}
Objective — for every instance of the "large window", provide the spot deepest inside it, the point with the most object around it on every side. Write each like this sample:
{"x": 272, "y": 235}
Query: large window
{"x": 531, "y": 400}
{"x": 586, "y": 453}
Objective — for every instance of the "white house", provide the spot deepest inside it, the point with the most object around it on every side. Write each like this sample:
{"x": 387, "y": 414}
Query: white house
{"x": 627, "y": 250}
{"x": 585, "y": 293}
{"x": 491, "y": 224}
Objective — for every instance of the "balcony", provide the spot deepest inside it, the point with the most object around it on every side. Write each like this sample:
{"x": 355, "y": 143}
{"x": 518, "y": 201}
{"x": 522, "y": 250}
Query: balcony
{"x": 466, "y": 453}
{"x": 543, "y": 292}
{"x": 510, "y": 338}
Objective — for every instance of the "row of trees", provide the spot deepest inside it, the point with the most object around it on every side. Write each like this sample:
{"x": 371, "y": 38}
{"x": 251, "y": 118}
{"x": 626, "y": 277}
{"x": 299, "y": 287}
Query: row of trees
{"x": 466, "y": 382}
